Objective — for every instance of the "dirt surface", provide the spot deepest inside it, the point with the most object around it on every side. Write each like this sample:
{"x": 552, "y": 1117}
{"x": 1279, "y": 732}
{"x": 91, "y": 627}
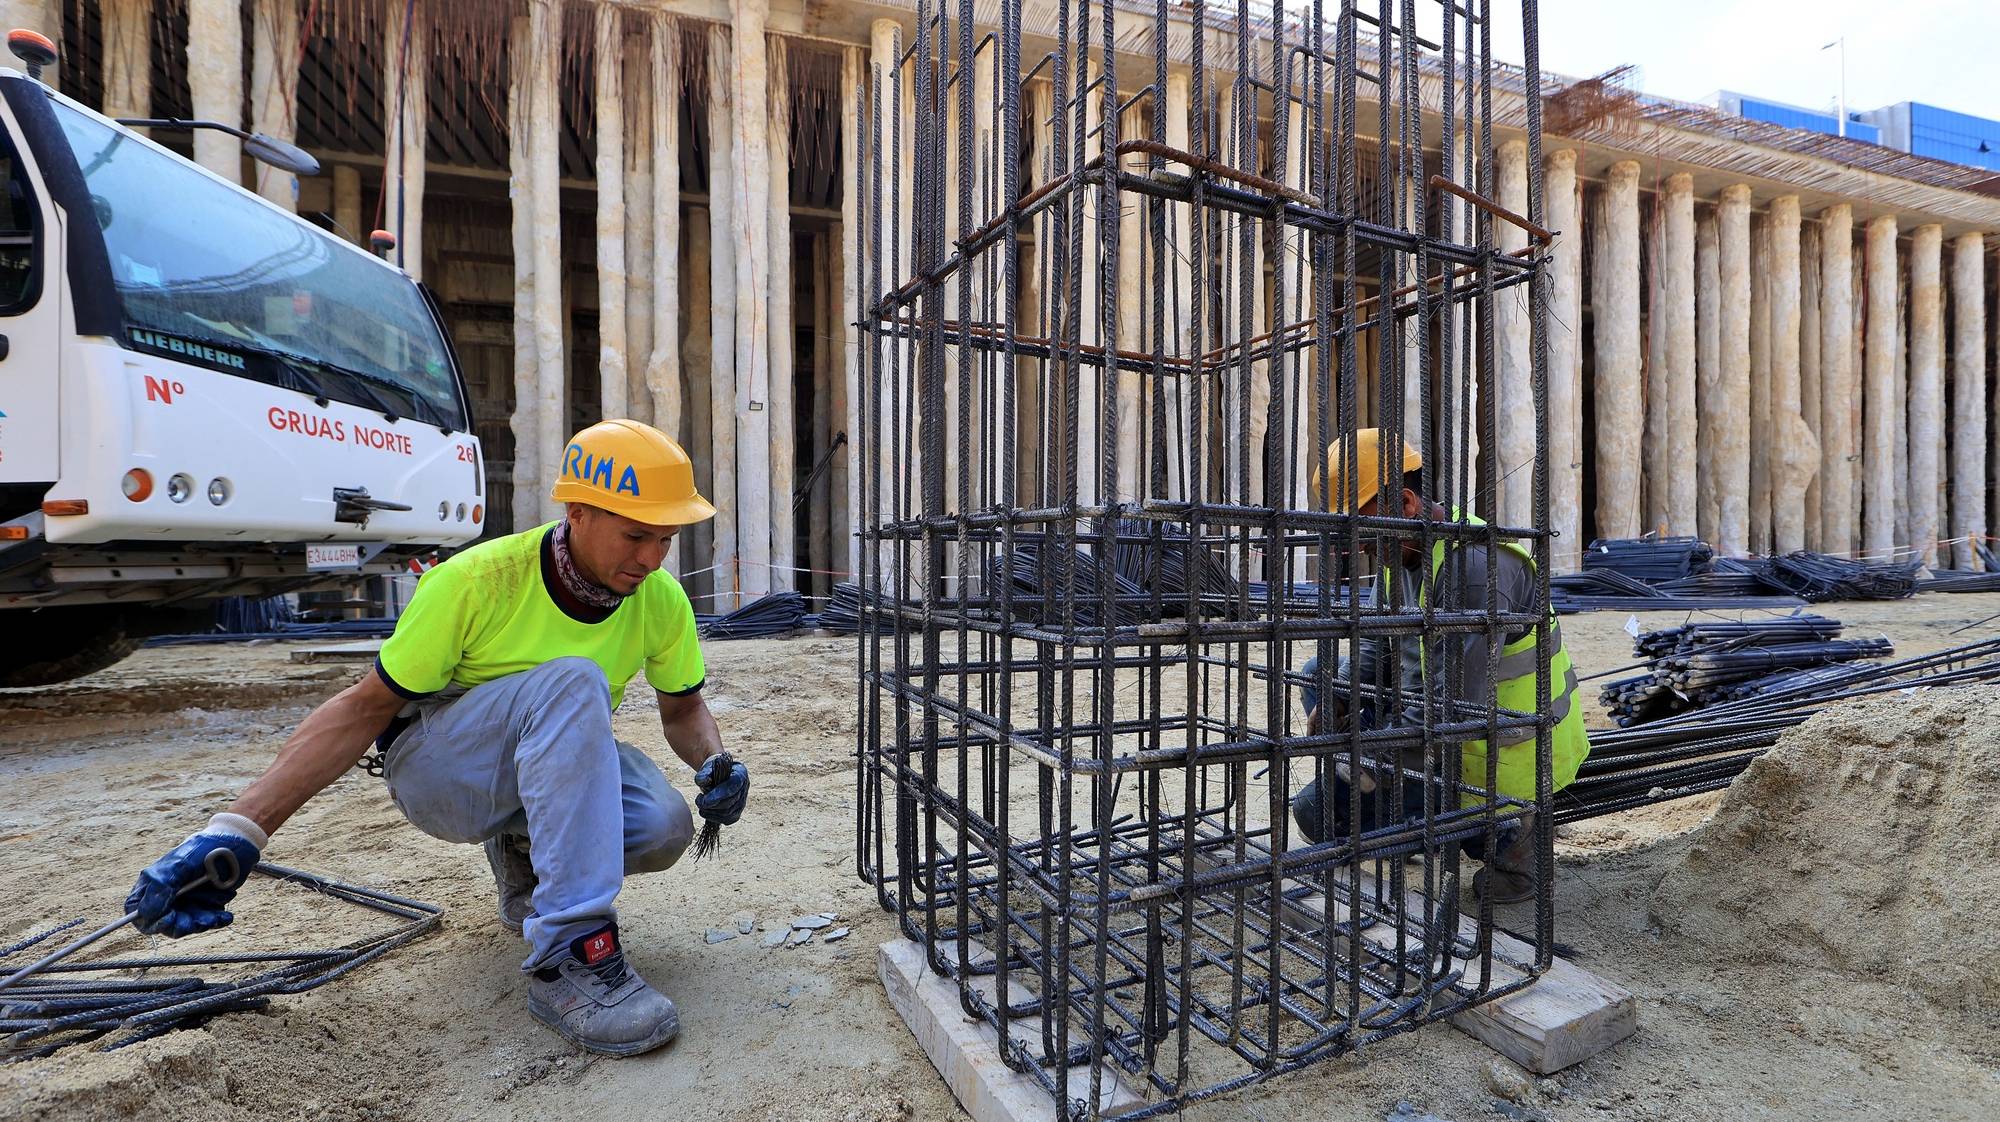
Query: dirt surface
{"x": 1773, "y": 878}
{"x": 104, "y": 774}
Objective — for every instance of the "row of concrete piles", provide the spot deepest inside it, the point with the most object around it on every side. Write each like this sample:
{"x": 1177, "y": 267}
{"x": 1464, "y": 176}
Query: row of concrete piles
{"x": 1769, "y": 380}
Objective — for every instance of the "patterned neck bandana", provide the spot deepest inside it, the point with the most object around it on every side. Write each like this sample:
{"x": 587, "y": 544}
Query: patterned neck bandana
{"x": 572, "y": 578}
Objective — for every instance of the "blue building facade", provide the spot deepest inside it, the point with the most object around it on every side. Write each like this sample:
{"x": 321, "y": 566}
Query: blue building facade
{"x": 1941, "y": 134}
{"x": 1795, "y": 117}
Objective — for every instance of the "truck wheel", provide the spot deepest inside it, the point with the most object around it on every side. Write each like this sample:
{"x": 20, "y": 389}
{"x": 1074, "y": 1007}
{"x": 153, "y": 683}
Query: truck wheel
{"x": 58, "y": 644}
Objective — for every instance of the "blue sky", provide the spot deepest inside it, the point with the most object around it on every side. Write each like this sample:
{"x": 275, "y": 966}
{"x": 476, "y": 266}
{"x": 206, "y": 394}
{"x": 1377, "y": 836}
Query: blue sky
{"x": 1937, "y": 51}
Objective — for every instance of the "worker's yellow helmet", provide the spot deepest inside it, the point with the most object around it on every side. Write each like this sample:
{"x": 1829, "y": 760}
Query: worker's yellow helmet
{"x": 631, "y": 469}
{"x": 1367, "y": 471}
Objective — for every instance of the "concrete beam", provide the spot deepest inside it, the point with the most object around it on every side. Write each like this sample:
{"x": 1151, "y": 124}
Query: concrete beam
{"x": 1732, "y": 436}
{"x": 846, "y": 473}
{"x": 1761, "y": 438}
{"x": 1837, "y": 382}
{"x": 722, "y": 317}
{"x": 608, "y": 86}
{"x": 1680, "y": 438}
{"x": 635, "y": 84}
{"x": 347, "y": 202}
{"x": 1795, "y": 457}
{"x": 1878, "y": 524}
{"x": 1708, "y": 369}
{"x": 1565, "y": 371}
{"x": 1809, "y": 370}
{"x": 1513, "y": 382}
{"x": 663, "y": 366}
{"x": 1180, "y": 293}
{"x": 1619, "y": 396}
{"x": 405, "y": 85}
{"x": 1968, "y": 397}
{"x": 215, "y": 81}
{"x": 551, "y": 315}
{"x": 128, "y": 57}
{"x": 1926, "y": 387}
{"x": 781, "y": 453}
{"x": 274, "y": 86}
{"x": 526, "y": 420}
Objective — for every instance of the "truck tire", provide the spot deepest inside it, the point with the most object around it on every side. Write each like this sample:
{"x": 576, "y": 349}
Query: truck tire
{"x": 57, "y": 644}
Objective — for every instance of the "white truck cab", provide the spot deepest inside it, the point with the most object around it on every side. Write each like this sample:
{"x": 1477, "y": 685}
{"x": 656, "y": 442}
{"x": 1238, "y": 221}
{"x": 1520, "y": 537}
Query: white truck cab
{"x": 201, "y": 395}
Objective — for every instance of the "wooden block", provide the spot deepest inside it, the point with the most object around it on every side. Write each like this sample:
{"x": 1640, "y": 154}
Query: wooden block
{"x": 363, "y": 651}
{"x": 964, "y": 1050}
{"x": 1567, "y": 1016}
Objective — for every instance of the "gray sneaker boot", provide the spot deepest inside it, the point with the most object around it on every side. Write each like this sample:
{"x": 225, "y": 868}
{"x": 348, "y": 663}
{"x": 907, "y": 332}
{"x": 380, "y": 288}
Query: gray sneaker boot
{"x": 596, "y": 1001}
{"x": 514, "y": 877}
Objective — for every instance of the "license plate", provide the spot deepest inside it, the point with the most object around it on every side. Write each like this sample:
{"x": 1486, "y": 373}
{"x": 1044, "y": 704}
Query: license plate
{"x": 320, "y": 558}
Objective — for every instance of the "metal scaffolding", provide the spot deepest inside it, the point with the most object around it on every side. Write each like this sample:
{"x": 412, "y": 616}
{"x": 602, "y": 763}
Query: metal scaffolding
{"x": 1097, "y": 560}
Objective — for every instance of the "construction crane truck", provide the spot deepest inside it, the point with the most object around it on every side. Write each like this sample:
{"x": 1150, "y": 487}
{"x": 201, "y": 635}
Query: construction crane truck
{"x": 201, "y": 394}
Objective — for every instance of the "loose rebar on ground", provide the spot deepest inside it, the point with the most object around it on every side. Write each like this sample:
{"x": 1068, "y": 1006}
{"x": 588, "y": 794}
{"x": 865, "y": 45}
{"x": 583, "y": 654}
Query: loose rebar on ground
{"x": 73, "y": 1002}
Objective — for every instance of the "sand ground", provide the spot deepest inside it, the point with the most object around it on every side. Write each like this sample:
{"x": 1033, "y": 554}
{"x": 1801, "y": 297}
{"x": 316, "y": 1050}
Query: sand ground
{"x": 103, "y": 774}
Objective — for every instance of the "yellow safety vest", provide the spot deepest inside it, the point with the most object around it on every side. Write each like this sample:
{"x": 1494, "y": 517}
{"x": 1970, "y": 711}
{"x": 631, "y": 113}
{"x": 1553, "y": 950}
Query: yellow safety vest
{"x": 1569, "y": 743}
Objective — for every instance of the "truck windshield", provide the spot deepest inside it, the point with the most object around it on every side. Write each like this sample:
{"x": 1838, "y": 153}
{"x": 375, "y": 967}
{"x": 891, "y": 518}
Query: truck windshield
{"x": 210, "y": 276}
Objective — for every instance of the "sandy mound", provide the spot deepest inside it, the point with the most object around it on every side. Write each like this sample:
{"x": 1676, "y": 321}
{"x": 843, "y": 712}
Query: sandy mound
{"x": 1867, "y": 841}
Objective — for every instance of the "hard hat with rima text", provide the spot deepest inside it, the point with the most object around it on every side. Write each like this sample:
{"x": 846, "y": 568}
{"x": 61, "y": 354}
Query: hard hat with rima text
{"x": 1343, "y": 497}
{"x": 631, "y": 469}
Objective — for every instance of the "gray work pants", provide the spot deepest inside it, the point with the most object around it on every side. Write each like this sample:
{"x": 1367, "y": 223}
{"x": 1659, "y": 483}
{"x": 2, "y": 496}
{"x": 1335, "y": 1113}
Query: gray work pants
{"x": 533, "y": 754}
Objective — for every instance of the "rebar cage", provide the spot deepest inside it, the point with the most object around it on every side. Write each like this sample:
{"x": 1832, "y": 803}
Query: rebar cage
{"x": 1098, "y": 559}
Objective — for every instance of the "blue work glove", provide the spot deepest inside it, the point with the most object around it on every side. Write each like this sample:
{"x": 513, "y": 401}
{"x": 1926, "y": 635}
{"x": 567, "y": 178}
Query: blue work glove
{"x": 185, "y": 891}
{"x": 725, "y": 787}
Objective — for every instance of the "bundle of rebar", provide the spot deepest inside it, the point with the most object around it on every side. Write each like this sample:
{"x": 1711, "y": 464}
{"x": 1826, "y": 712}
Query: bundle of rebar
{"x": 1649, "y": 559}
{"x": 1048, "y": 584}
{"x": 763, "y": 618}
{"x": 1706, "y": 662}
{"x": 841, "y": 614}
{"x": 1689, "y": 681}
{"x": 1709, "y": 632}
{"x": 1644, "y": 574}
{"x": 1704, "y": 749}
{"x": 1819, "y": 577}
{"x": 1607, "y": 589}
{"x": 130, "y": 998}
{"x": 1960, "y": 580}
{"x": 367, "y": 628}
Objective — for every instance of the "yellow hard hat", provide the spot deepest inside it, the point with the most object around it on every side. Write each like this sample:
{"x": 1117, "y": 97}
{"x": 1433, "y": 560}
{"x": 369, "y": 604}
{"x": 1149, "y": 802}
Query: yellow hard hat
{"x": 1368, "y": 470}
{"x": 631, "y": 469}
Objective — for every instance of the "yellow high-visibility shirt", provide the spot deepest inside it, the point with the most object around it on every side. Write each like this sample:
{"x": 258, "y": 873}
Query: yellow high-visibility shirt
{"x": 487, "y": 613}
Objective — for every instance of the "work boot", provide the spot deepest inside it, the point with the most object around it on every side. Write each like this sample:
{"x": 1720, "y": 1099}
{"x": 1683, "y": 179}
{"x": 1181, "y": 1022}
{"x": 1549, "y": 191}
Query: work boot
{"x": 1504, "y": 886}
{"x": 514, "y": 877}
{"x": 1509, "y": 877}
{"x": 596, "y": 1001}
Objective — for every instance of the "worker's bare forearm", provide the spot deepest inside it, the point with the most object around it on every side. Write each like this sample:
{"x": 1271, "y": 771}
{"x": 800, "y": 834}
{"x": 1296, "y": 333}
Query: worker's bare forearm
{"x": 690, "y": 728}
{"x": 319, "y": 751}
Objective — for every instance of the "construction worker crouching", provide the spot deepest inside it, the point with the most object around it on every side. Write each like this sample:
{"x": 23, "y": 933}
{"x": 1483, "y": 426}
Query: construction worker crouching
{"x": 1508, "y": 573}
{"x": 491, "y": 704}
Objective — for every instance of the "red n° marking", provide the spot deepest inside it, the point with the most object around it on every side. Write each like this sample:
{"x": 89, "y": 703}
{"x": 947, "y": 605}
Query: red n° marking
{"x": 158, "y": 390}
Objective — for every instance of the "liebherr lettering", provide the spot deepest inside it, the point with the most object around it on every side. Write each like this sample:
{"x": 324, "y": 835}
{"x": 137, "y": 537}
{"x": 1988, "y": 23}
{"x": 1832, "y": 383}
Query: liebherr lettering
{"x": 173, "y": 344}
